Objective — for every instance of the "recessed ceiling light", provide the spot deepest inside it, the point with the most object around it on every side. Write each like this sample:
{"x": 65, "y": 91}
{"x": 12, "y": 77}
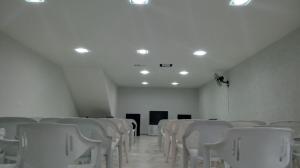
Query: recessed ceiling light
{"x": 174, "y": 83}
{"x": 81, "y": 50}
{"x": 142, "y": 51}
{"x": 144, "y": 72}
{"x": 200, "y": 53}
{"x": 35, "y": 1}
{"x": 139, "y": 2}
{"x": 183, "y": 73}
{"x": 239, "y": 2}
{"x": 145, "y": 83}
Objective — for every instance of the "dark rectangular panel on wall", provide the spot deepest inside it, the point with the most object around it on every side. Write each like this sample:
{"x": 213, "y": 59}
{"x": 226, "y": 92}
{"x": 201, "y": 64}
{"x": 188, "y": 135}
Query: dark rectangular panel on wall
{"x": 156, "y": 116}
{"x": 184, "y": 116}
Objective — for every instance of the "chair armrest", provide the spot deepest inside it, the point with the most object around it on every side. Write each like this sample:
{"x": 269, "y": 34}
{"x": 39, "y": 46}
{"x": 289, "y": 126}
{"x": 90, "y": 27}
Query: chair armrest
{"x": 213, "y": 145}
{"x": 89, "y": 140}
{"x": 6, "y": 142}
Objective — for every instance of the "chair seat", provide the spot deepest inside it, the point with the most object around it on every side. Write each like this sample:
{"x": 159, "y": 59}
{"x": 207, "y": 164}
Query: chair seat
{"x": 194, "y": 153}
{"x": 79, "y": 166}
{"x": 8, "y": 165}
{"x": 11, "y": 158}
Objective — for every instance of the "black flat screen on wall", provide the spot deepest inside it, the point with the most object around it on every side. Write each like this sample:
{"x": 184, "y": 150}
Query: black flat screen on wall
{"x": 156, "y": 116}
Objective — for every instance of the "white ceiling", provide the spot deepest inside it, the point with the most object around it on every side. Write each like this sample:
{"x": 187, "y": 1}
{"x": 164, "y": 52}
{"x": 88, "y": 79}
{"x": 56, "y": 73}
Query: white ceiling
{"x": 170, "y": 29}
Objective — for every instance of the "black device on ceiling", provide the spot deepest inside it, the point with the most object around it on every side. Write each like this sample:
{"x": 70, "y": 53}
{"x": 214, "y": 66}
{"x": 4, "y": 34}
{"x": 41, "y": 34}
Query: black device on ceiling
{"x": 165, "y": 65}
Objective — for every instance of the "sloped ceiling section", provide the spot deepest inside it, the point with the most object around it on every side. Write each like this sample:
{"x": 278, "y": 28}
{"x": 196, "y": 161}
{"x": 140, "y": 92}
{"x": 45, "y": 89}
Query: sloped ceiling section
{"x": 94, "y": 93}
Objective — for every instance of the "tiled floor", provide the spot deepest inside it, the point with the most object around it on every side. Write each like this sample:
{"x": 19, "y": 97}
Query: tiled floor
{"x": 145, "y": 154}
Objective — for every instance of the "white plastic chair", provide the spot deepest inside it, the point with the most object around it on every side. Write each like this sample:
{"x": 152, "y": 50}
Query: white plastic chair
{"x": 169, "y": 132}
{"x": 8, "y": 125}
{"x": 199, "y": 133}
{"x": 49, "y": 120}
{"x": 92, "y": 129}
{"x": 114, "y": 132}
{"x": 127, "y": 129}
{"x": 161, "y": 133}
{"x": 177, "y": 137}
{"x": 133, "y": 131}
{"x": 295, "y": 126}
{"x": 253, "y": 148}
{"x": 250, "y": 123}
{"x": 47, "y": 145}
{"x": 124, "y": 131}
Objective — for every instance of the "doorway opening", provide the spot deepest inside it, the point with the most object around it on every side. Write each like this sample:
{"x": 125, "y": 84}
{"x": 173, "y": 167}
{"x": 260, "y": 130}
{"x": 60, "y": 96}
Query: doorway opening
{"x": 137, "y": 118}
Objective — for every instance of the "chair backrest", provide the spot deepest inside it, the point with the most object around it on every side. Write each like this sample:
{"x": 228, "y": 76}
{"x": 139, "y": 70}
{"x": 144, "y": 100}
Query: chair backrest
{"x": 132, "y": 123}
{"x": 181, "y": 126}
{"x": 90, "y": 128}
{"x": 49, "y": 120}
{"x": 46, "y": 145}
{"x": 123, "y": 128}
{"x": 170, "y": 127}
{"x": 9, "y": 125}
{"x": 162, "y": 125}
{"x": 244, "y": 123}
{"x": 110, "y": 127}
{"x": 201, "y": 132}
{"x": 294, "y": 125}
{"x": 256, "y": 147}
{"x": 126, "y": 124}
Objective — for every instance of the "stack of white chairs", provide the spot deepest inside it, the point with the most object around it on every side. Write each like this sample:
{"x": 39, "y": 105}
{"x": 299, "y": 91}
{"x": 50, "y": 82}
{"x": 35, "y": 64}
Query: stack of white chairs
{"x": 169, "y": 131}
{"x": 252, "y": 148}
{"x": 10, "y": 140}
{"x": 114, "y": 132}
{"x": 64, "y": 142}
{"x": 124, "y": 130}
{"x": 92, "y": 129}
{"x": 235, "y": 144}
{"x": 247, "y": 123}
{"x": 177, "y": 143}
{"x": 295, "y": 126}
{"x": 199, "y": 133}
{"x": 161, "y": 133}
{"x": 47, "y": 145}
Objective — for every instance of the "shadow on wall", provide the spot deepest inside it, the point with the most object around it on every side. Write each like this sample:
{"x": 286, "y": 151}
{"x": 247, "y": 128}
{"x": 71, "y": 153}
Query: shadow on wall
{"x": 97, "y": 114}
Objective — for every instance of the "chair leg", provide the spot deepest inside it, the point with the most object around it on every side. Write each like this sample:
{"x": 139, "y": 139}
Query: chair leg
{"x": 120, "y": 151}
{"x": 206, "y": 158}
{"x": 185, "y": 159}
{"x": 126, "y": 151}
{"x": 168, "y": 151}
{"x": 193, "y": 162}
{"x": 174, "y": 157}
{"x": 109, "y": 159}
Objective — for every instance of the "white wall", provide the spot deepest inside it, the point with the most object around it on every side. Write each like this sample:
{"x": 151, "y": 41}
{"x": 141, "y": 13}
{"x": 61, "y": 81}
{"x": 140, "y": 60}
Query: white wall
{"x": 213, "y": 101}
{"x": 264, "y": 87}
{"x": 30, "y": 85}
{"x": 143, "y": 100}
{"x": 112, "y": 95}
{"x": 94, "y": 93}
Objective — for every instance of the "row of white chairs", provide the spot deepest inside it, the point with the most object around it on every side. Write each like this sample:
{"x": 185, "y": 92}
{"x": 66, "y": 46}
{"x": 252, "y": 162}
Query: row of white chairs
{"x": 247, "y": 141}
{"x": 63, "y": 142}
